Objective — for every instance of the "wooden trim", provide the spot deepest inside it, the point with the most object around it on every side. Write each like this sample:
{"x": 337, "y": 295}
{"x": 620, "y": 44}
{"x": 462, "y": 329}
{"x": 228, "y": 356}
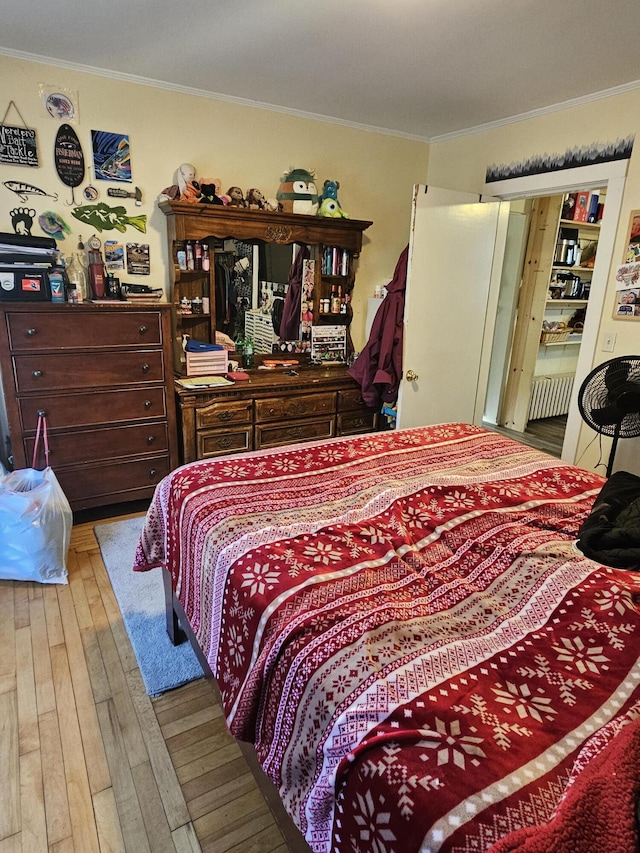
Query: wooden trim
{"x": 199, "y": 221}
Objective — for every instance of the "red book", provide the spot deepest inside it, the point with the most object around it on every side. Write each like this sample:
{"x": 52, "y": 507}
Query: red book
{"x": 581, "y": 209}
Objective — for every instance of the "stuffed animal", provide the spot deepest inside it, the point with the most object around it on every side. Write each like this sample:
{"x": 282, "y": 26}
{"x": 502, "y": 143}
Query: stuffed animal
{"x": 210, "y": 189}
{"x": 186, "y": 187}
{"x": 255, "y": 199}
{"x": 237, "y": 197}
{"x": 330, "y": 207}
{"x": 330, "y": 190}
{"x": 298, "y": 192}
{"x": 329, "y": 204}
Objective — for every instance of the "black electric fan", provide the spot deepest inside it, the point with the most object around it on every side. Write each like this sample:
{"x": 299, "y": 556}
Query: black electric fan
{"x": 609, "y": 400}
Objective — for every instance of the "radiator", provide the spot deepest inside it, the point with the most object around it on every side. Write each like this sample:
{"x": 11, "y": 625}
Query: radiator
{"x": 550, "y": 396}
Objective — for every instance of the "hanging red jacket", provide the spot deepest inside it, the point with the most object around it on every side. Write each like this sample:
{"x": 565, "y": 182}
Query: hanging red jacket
{"x": 378, "y": 368}
{"x": 290, "y": 322}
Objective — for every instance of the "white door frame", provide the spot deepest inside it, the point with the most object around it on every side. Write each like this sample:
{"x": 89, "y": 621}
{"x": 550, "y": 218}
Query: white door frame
{"x": 612, "y": 175}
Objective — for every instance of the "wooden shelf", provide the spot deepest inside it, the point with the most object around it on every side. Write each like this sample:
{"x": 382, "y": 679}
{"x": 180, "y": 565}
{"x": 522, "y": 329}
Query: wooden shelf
{"x": 566, "y": 303}
{"x": 572, "y": 340}
{"x": 570, "y": 223}
{"x": 572, "y": 269}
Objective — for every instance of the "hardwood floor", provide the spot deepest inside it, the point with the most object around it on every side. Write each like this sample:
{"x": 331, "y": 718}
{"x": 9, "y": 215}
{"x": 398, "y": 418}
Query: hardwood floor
{"x": 88, "y": 762}
{"x": 545, "y": 434}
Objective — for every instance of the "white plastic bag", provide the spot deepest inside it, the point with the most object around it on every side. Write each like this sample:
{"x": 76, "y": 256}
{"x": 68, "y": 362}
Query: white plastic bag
{"x": 35, "y": 525}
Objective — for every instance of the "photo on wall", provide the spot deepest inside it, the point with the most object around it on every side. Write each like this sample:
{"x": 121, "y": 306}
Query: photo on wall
{"x": 627, "y": 304}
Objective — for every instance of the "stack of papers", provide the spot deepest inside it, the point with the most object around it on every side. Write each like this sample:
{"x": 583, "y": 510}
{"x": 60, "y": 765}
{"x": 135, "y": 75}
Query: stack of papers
{"x": 203, "y": 381}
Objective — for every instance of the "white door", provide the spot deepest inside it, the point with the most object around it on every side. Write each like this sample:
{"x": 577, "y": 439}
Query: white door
{"x": 456, "y": 249}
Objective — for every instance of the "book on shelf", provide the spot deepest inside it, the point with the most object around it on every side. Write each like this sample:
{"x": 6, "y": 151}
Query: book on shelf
{"x": 581, "y": 208}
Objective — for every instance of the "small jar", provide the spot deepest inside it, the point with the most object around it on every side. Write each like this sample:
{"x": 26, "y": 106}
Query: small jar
{"x": 185, "y": 305}
{"x": 196, "y": 305}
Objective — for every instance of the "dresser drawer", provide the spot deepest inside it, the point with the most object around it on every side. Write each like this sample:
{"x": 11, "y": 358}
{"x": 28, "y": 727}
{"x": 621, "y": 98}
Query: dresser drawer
{"x": 218, "y": 442}
{"x": 272, "y": 436}
{"x": 350, "y": 400}
{"x": 97, "y": 407}
{"x": 97, "y": 445}
{"x": 352, "y": 423}
{"x": 279, "y": 408}
{"x": 101, "y": 483}
{"x": 59, "y": 372}
{"x": 113, "y": 328}
{"x": 218, "y": 414}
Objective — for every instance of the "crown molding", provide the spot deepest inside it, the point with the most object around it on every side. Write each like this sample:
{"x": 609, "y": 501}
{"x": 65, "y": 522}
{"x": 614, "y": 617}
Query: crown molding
{"x": 202, "y": 93}
{"x": 552, "y": 108}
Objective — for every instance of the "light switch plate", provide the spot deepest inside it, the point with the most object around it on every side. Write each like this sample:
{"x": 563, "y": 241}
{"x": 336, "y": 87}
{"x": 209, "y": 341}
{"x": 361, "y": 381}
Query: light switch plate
{"x": 608, "y": 342}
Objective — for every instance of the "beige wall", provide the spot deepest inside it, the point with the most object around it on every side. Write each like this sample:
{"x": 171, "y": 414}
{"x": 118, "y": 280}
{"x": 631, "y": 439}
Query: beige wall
{"x": 461, "y": 163}
{"x": 241, "y": 145}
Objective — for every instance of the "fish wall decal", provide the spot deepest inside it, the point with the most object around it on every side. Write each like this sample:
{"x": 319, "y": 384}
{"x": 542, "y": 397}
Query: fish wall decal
{"x": 23, "y": 191}
{"x": 104, "y": 218}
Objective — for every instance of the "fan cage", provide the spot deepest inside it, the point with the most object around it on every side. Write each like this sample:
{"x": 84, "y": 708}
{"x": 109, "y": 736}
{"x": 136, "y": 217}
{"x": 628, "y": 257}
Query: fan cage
{"x": 609, "y": 398}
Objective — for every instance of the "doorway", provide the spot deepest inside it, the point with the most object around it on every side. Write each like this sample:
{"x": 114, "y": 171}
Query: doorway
{"x": 611, "y": 177}
{"x": 547, "y": 293}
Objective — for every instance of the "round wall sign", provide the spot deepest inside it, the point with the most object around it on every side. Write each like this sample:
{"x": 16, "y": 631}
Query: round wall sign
{"x": 68, "y": 156}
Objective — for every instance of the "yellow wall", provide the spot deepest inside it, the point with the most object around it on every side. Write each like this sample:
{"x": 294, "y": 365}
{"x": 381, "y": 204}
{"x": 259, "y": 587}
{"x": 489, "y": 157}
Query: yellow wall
{"x": 461, "y": 163}
{"x": 241, "y": 145}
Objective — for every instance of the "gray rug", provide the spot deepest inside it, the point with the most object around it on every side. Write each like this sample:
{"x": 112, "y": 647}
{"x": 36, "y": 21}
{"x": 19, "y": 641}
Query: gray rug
{"x": 140, "y": 596}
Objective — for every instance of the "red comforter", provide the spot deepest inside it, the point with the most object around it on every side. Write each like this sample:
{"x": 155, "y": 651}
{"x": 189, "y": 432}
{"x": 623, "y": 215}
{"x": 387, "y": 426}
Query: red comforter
{"x": 401, "y": 624}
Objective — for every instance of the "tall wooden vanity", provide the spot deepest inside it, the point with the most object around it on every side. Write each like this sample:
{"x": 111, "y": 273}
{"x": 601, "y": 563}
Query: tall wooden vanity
{"x": 271, "y": 408}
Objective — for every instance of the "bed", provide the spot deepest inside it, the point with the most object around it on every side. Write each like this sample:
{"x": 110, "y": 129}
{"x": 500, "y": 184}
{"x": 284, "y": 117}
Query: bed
{"x": 401, "y": 625}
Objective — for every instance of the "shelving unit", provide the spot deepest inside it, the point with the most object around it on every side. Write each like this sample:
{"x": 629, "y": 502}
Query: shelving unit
{"x": 214, "y": 224}
{"x": 534, "y": 360}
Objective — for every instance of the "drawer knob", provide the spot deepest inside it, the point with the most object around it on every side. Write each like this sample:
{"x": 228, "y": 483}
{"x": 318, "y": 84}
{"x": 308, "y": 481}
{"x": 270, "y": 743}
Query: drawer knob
{"x": 295, "y": 432}
{"x": 37, "y": 374}
{"x": 272, "y": 411}
{"x": 151, "y": 439}
{"x": 225, "y": 441}
{"x": 145, "y": 368}
{"x": 31, "y": 332}
{"x": 225, "y": 415}
{"x": 142, "y": 330}
{"x": 147, "y": 404}
{"x": 152, "y": 472}
{"x": 42, "y": 413}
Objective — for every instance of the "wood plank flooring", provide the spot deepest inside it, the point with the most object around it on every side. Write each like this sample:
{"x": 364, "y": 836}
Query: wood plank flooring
{"x": 546, "y": 434}
{"x": 88, "y": 762}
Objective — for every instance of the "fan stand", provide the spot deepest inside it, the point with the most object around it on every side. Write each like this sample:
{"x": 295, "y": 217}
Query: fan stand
{"x": 614, "y": 444}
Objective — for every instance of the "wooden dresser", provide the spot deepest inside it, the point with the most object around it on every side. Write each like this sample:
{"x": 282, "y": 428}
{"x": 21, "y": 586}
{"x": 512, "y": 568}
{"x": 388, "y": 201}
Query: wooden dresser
{"x": 103, "y": 375}
{"x": 271, "y": 409}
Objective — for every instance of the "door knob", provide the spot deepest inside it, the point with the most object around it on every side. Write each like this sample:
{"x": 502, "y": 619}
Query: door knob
{"x": 411, "y": 376}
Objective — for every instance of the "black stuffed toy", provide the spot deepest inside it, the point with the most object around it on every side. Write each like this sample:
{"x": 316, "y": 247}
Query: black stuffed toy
{"x": 209, "y": 194}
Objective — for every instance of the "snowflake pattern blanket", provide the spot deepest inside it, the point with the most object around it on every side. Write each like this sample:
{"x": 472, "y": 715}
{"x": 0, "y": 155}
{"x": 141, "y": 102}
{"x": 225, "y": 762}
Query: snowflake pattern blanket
{"x": 402, "y": 626}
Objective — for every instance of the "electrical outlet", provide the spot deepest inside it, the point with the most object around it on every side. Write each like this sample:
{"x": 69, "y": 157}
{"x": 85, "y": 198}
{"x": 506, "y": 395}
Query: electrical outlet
{"x": 608, "y": 342}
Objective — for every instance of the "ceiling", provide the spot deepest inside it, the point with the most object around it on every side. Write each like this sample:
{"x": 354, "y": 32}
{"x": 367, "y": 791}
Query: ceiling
{"x": 418, "y": 68}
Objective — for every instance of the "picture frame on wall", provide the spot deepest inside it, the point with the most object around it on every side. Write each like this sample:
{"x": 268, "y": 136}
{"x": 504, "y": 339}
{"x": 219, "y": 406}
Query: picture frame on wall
{"x": 632, "y": 243}
{"x": 627, "y": 304}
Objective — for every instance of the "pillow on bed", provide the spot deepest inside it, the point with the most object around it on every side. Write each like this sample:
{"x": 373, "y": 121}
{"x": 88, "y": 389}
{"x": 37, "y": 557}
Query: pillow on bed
{"x": 611, "y": 533}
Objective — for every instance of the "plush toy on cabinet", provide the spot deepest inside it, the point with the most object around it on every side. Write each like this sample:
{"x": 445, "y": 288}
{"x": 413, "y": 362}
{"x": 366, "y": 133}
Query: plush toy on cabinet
{"x": 210, "y": 189}
{"x": 236, "y": 196}
{"x": 329, "y": 204}
{"x": 298, "y": 192}
{"x": 186, "y": 187}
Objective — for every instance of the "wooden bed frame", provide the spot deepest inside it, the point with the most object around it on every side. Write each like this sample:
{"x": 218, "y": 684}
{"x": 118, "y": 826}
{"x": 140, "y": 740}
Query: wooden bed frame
{"x": 179, "y": 630}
